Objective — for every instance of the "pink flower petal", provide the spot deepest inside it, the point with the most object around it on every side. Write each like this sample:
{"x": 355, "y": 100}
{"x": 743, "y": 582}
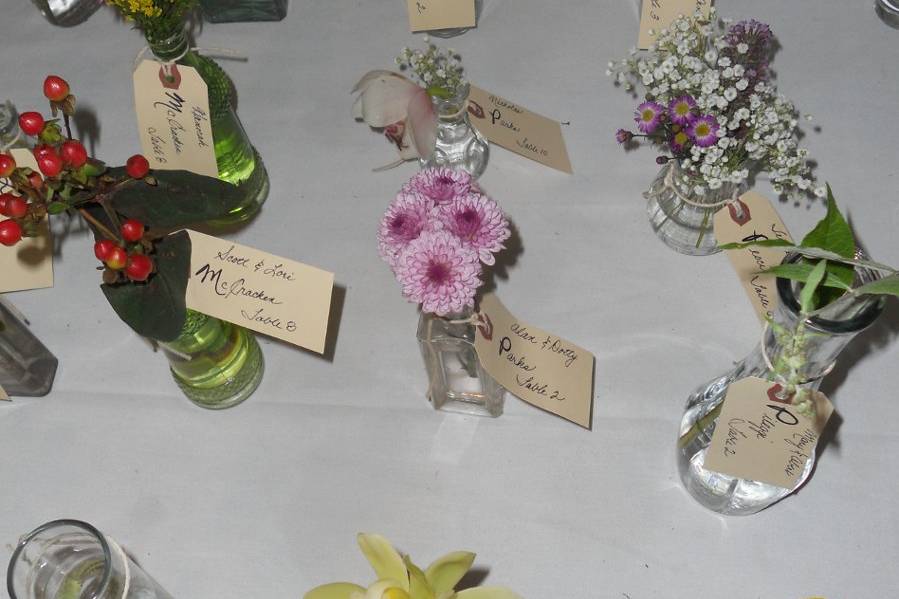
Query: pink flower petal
{"x": 422, "y": 123}
{"x": 386, "y": 98}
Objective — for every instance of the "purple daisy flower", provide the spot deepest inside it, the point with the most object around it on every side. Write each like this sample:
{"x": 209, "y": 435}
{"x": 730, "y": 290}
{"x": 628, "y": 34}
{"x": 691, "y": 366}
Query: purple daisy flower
{"x": 680, "y": 110}
{"x": 648, "y": 116}
{"x": 405, "y": 220}
{"x": 704, "y": 131}
{"x": 623, "y": 136}
{"x": 440, "y": 184}
{"x": 479, "y": 222}
{"x": 679, "y": 141}
{"x": 437, "y": 271}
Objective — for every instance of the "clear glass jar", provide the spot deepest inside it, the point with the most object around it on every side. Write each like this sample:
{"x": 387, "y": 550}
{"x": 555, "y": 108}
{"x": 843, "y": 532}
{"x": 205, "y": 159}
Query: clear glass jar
{"x": 888, "y": 11}
{"x": 685, "y": 226}
{"x": 827, "y": 334}
{"x": 454, "y": 31}
{"x": 456, "y": 380}
{"x": 217, "y": 364}
{"x": 237, "y": 160}
{"x": 10, "y": 134}
{"x": 27, "y": 368}
{"x": 230, "y": 11}
{"x": 69, "y": 559}
{"x": 459, "y": 145}
{"x": 67, "y": 13}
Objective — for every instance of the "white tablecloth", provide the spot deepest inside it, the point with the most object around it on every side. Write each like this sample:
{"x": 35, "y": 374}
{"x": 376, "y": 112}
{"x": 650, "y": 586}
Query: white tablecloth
{"x": 264, "y": 500}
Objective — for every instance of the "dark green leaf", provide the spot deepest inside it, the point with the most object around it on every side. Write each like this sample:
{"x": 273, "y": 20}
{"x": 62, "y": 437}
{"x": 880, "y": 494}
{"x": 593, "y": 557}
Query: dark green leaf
{"x": 885, "y": 286}
{"x": 818, "y": 253}
{"x": 800, "y": 271}
{"x": 57, "y": 207}
{"x": 178, "y": 199}
{"x": 157, "y": 309}
{"x": 806, "y": 296}
{"x": 832, "y": 232}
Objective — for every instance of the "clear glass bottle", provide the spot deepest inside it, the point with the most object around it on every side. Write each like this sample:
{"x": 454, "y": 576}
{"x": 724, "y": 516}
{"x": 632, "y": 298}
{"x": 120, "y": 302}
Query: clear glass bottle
{"x": 10, "y": 134}
{"x": 827, "y": 334}
{"x": 685, "y": 226}
{"x": 456, "y": 380}
{"x": 888, "y": 11}
{"x": 67, "y": 13}
{"x": 459, "y": 144}
{"x": 237, "y": 160}
{"x": 27, "y": 368}
{"x": 230, "y": 11}
{"x": 69, "y": 559}
{"x": 217, "y": 364}
{"x": 454, "y": 31}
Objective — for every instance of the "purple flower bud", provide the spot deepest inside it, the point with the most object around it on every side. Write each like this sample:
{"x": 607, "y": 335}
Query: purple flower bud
{"x": 623, "y": 136}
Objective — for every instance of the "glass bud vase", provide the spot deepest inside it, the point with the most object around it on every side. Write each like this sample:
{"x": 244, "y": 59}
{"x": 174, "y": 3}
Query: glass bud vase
{"x": 10, "y": 134}
{"x": 69, "y": 559}
{"x": 217, "y": 364}
{"x": 27, "y": 368}
{"x": 826, "y": 334}
{"x": 237, "y": 160}
{"x": 459, "y": 145}
{"x": 230, "y": 11}
{"x": 456, "y": 380}
{"x": 681, "y": 217}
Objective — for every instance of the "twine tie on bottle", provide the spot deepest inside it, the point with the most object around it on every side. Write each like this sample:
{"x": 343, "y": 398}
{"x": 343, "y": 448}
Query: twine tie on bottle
{"x": 734, "y": 199}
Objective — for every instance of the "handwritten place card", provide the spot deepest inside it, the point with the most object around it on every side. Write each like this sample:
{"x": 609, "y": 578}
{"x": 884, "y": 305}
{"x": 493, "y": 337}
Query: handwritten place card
{"x": 173, "y": 118}
{"x": 534, "y": 365}
{"x": 658, "y": 14}
{"x": 762, "y": 437}
{"x": 29, "y": 263}
{"x": 257, "y": 290}
{"x": 430, "y": 15}
{"x": 518, "y": 129}
{"x": 755, "y": 219}
{"x": 3, "y": 395}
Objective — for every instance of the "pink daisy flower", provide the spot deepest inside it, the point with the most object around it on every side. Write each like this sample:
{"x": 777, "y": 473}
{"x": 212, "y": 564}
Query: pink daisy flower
{"x": 439, "y": 272}
{"x": 681, "y": 110}
{"x": 478, "y": 221}
{"x": 704, "y": 131}
{"x": 406, "y": 218}
{"x": 440, "y": 184}
{"x": 648, "y": 116}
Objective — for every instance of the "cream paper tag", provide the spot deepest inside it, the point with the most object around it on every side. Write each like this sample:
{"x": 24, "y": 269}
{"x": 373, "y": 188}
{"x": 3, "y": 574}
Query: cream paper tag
{"x": 534, "y": 365}
{"x": 257, "y": 290}
{"x": 173, "y": 118}
{"x": 658, "y": 14}
{"x": 430, "y": 15}
{"x": 3, "y": 395}
{"x": 518, "y": 129}
{"x": 755, "y": 220}
{"x": 762, "y": 437}
{"x": 29, "y": 263}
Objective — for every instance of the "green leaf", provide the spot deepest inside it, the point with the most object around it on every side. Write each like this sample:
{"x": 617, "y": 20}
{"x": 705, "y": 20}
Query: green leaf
{"x": 832, "y": 232}
{"x": 807, "y": 295}
{"x": 335, "y": 590}
{"x": 383, "y": 558}
{"x": 885, "y": 286}
{"x": 800, "y": 271}
{"x": 178, "y": 199}
{"x": 92, "y": 168}
{"x": 819, "y": 253}
{"x": 419, "y": 588}
{"x": 57, "y": 207}
{"x": 156, "y": 309}
{"x": 446, "y": 572}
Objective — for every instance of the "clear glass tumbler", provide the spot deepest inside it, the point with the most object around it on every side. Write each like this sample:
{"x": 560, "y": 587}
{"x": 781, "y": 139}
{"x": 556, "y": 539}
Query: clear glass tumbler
{"x": 27, "y": 367}
{"x": 66, "y": 13}
{"x": 231, "y": 11}
{"x": 888, "y": 11}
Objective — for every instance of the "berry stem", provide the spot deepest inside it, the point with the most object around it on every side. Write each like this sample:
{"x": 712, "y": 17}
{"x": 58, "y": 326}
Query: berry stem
{"x": 100, "y": 226}
{"x": 65, "y": 119}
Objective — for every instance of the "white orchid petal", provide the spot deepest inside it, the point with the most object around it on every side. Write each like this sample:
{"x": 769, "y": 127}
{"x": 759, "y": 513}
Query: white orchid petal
{"x": 384, "y": 559}
{"x": 335, "y": 590}
{"x": 445, "y": 572}
{"x": 422, "y": 123}
{"x": 357, "y": 108}
{"x": 487, "y": 593}
{"x": 385, "y": 100}
{"x": 371, "y": 76}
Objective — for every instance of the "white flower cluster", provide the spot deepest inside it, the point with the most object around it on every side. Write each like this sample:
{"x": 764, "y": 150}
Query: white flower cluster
{"x": 757, "y": 127}
{"x": 434, "y": 66}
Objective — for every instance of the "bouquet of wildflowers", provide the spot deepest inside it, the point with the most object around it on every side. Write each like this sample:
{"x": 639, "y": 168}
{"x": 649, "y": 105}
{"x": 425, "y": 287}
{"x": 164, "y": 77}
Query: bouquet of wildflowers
{"x": 154, "y": 16}
{"x": 437, "y": 234}
{"x": 710, "y": 104}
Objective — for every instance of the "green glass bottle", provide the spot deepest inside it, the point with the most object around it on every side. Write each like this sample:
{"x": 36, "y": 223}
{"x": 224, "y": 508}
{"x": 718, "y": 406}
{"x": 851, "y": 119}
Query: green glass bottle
{"x": 216, "y": 364}
{"x": 237, "y": 160}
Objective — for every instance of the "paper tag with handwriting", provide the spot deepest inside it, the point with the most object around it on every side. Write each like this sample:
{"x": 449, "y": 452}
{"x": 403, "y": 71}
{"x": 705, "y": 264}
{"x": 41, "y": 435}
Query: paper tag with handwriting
{"x": 658, "y": 14}
{"x": 257, "y": 290}
{"x": 173, "y": 118}
{"x": 762, "y": 437}
{"x": 518, "y": 129}
{"x": 534, "y": 365}
{"x": 3, "y": 395}
{"x": 754, "y": 219}
{"x": 29, "y": 263}
{"x": 430, "y": 15}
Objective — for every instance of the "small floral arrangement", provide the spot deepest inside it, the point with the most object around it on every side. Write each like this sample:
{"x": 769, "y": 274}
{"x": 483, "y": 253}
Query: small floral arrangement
{"x": 437, "y": 235}
{"x": 400, "y": 107}
{"x": 711, "y": 106}
{"x": 129, "y": 210}
{"x": 154, "y": 16}
{"x": 399, "y": 578}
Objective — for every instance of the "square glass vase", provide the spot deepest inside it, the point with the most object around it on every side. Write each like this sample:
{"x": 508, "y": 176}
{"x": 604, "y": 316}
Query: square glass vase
{"x": 457, "y": 382}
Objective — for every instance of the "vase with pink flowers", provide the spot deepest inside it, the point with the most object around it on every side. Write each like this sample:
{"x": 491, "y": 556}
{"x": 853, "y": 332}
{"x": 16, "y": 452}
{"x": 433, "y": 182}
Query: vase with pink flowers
{"x": 438, "y": 236}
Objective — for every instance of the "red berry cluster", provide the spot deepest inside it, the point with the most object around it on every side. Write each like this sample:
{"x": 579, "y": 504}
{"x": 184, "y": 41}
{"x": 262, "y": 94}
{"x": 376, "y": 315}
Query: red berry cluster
{"x": 136, "y": 265}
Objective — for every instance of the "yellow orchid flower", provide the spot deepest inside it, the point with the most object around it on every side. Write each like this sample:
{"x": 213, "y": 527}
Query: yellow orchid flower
{"x": 399, "y": 578}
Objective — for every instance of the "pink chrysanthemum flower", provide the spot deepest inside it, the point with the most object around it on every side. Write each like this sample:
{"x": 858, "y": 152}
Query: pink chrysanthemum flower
{"x": 439, "y": 272}
{"x": 704, "y": 131}
{"x": 648, "y": 116}
{"x": 479, "y": 222}
{"x": 406, "y": 218}
{"x": 680, "y": 110}
{"x": 441, "y": 184}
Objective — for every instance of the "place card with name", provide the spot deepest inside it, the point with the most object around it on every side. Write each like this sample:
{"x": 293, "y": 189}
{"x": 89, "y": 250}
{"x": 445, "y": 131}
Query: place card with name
{"x": 430, "y": 15}
{"x": 29, "y": 263}
{"x": 3, "y": 395}
{"x": 760, "y": 436}
{"x": 753, "y": 218}
{"x": 518, "y": 129}
{"x": 257, "y": 290}
{"x": 534, "y": 365}
{"x": 172, "y": 106}
{"x": 658, "y": 14}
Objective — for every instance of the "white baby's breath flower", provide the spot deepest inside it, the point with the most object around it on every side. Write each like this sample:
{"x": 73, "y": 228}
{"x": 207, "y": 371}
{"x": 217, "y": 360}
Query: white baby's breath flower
{"x": 742, "y": 48}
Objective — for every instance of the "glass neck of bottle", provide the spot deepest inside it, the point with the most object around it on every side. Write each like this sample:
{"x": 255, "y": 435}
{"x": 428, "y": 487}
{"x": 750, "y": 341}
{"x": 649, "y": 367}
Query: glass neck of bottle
{"x": 170, "y": 46}
{"x": 454, "y": 109}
